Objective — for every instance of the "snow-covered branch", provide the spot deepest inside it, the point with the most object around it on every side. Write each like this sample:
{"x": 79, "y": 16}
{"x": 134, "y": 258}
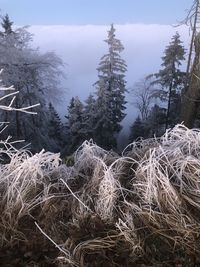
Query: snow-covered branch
{"x": 10, "y": 106}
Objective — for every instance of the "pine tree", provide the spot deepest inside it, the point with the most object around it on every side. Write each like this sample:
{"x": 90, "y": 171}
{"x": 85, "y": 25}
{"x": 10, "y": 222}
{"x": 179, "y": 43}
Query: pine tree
{"x": 104, "y": 128}
{"x": 89, "y": 117}
{"x": 110, "y": 93}
{"x": 138, "y": 129}
{"x": 34, "y": 75}
{"x": 54, "y": 127}
{"x": 156, "y": 121}
{"x": 170, "y": 77}
{"x": 74, "y": 127}
{"x": 7, "y": 25}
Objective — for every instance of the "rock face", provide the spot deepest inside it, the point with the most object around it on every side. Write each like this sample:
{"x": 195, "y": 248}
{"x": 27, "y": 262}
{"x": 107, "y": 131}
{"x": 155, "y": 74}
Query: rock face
{"x": 191, "y": 98}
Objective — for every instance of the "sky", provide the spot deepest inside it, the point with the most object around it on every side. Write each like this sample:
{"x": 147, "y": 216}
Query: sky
{"x": 81, "y": 12}
{"x": 75, "y": 30}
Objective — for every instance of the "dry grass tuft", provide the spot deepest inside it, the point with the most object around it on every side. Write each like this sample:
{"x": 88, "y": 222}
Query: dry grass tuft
{"x": 138, "y": 209}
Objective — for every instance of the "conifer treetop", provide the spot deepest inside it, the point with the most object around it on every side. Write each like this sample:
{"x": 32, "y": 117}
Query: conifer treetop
{"x": 7, "y": 24}
{"x": 111, "y": 63}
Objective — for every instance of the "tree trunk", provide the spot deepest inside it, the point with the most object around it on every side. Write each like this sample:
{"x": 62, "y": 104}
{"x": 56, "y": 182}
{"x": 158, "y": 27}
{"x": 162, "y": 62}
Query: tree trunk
{"x": 17, "y": 121}
{"x": 193, "y": 28}
{"x": 191, "y": 98}
{"x": 168, "y": 106}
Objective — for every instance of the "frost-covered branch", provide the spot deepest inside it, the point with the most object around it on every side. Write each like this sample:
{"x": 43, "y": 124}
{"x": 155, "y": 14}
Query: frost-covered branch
{"x": 10, "y": 106}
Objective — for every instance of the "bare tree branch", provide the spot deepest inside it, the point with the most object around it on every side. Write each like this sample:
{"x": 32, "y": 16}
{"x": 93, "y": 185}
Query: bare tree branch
{"x": 143, "y": 92}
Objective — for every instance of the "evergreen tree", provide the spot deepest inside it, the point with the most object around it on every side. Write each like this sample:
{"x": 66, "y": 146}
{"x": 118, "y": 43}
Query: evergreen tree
{"x": 156, "y": 121}
{"x": 7, "y": 25}
{"x": 55, "y": 127}
{"x": 75, "y": 133}
{"x": 138, "y": 129}
{"x": 110, "y": 104}
{"x": 34, "y": 75}
{"x": 170, "y": 77}
{"x": 104, "y": 129}
{"x": 89, "y": 117}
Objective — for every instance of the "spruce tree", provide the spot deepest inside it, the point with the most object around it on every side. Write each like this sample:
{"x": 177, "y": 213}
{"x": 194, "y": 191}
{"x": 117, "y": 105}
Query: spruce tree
{"x": 110, "y": 104}
{"x": 155, "y": 122}
{"x": 35, "y": 77}
{"x": 137, "y": 130}
{"x": 89, "y": 117}
{"x": 74, "y": 127}
{"x": 7, "y": 25}
{"x": 170, "y": 77}
{"x": 54, "y": 127}
{"x": 104, "y": 129}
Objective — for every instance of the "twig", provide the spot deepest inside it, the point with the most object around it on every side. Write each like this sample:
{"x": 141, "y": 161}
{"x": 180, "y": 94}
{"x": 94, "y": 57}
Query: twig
{"x": 75, "y": 195}
{"x": 56, "y": 245}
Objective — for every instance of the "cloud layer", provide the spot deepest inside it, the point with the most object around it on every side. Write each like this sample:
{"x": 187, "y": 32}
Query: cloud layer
{"x": 81, "y": 48}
